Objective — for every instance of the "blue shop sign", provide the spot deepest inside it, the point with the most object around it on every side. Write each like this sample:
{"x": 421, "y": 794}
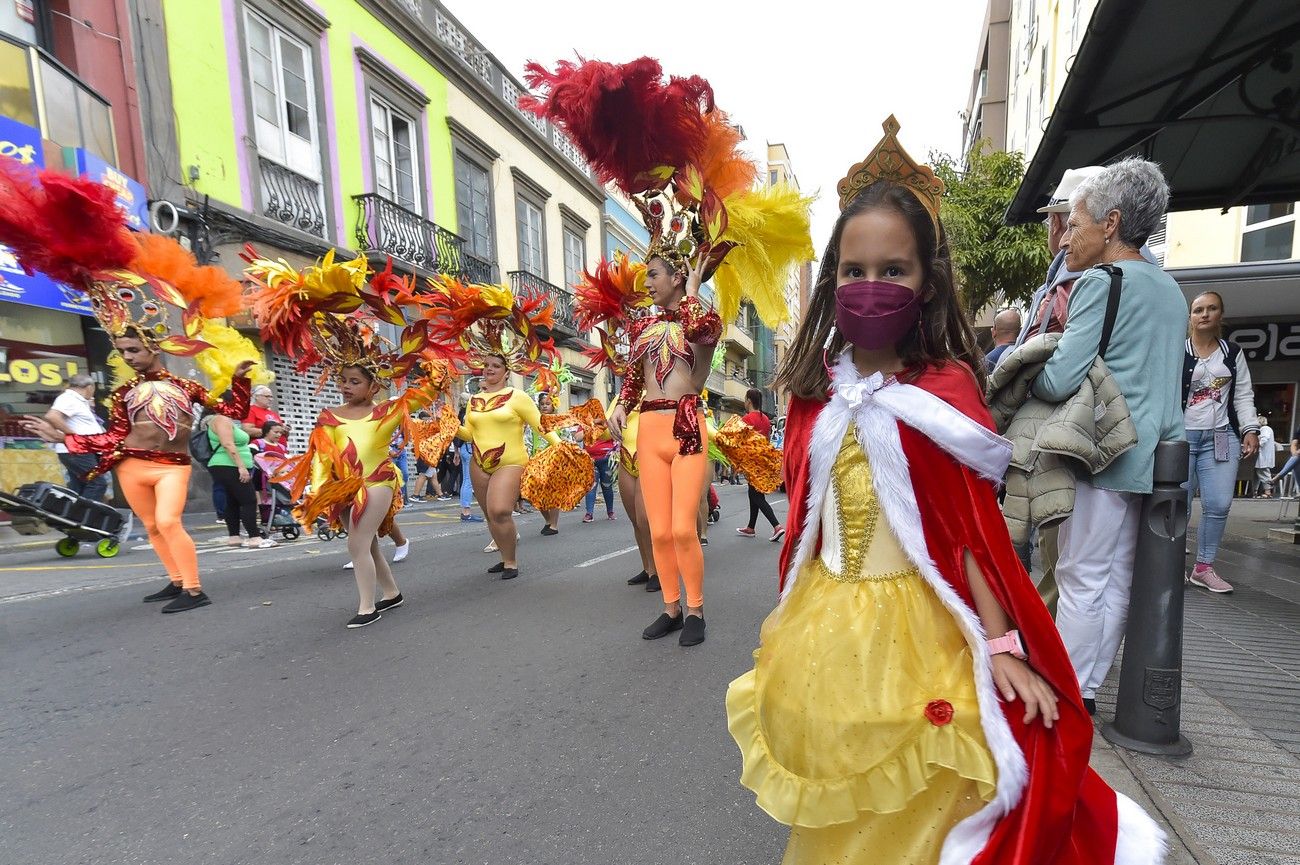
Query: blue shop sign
{"x": 130, "y": 193}
{"x": 22, "y": 142}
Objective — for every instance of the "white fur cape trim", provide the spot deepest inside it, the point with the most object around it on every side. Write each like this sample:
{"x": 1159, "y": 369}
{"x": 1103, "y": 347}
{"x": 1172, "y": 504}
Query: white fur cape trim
{"x": 1140, "y": 840}
{"x": 876, "y": 407}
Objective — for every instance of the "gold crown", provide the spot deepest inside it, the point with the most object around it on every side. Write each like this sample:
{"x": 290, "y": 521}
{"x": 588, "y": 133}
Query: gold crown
{"x": 889, "y": 161}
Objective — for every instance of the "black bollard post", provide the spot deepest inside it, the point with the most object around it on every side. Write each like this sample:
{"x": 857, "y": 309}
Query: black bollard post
{"x": 1150, "y": 680}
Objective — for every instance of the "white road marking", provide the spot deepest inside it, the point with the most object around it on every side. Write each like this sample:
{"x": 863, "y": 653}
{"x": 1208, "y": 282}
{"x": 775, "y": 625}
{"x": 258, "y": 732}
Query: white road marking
{"x": 605, "y": 558}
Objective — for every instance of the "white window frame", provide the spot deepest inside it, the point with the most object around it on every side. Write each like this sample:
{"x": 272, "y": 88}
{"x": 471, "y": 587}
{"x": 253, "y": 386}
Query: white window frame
{"x": 526, "y": 206}
{"x": 382, "y": 114}
{"x": 274, "y": 138}
{"x": 1250, "y": 228}
{"x": 572, "y": 278}
{"x": 461, "y": 157}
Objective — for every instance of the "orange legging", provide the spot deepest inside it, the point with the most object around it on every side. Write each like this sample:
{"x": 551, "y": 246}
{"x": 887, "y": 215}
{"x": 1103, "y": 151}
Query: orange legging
{"x": 156, "y": 492}
{"x": 671, "y": 485}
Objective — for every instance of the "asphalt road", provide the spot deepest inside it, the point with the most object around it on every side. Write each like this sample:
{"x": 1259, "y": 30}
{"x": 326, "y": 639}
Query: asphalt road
{"x": 483, "y": 722}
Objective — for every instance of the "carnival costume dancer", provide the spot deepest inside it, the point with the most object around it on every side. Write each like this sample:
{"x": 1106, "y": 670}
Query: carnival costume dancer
{"x": 678, "y": 158}
{"x": 326, "y": 315}
{"x": 152, "y": 298}
{"x": 503, "y": 333}
{"x": 878, "y": 721}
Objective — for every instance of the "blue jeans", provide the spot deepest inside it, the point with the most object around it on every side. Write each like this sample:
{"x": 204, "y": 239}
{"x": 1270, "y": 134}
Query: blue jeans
{"x": 1216, "y": 481}
{"x": 604, "y": 480}
{"x": 77, "y": 466}
{"x": 466, "y": 486}
{"x": 400, "y": 462}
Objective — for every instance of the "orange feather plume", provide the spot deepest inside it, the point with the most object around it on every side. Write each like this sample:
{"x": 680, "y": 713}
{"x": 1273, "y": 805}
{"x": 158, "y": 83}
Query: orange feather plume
{"x": 723, "y": 167}
{"x": 211, "y": 288}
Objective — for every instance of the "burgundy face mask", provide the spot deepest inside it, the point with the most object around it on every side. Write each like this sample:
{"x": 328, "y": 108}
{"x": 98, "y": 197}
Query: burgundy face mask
{"x": 875, "y": 315}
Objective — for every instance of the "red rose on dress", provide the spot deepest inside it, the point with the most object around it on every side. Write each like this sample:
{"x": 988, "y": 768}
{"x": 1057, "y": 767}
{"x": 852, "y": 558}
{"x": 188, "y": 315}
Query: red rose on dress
{"x": 938, "y": 712}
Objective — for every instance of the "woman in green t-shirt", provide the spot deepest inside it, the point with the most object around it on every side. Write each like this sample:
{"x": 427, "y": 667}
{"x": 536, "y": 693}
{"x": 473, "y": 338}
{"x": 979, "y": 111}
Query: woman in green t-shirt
{"x": 231, "y": 466}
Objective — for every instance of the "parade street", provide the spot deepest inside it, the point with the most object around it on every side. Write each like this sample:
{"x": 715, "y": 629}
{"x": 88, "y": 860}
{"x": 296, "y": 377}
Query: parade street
{"x": 483, "y": 722}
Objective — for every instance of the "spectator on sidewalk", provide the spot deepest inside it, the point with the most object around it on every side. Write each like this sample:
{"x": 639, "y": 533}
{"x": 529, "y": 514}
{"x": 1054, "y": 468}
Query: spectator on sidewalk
{"x": 231, "y": 467}
{"x": 73, "y": 414}
{"x": 1112, "y": 214}
{"x": 1292, "y": 464}
{"x": 1266, "y": 461}
{"x": 1050, "y": 304}
{"x": 1222, "y": 428}
{"x": 1049, "y": 309}
{"x": 260, "y": 411}
{"x": 1006, "y": 327}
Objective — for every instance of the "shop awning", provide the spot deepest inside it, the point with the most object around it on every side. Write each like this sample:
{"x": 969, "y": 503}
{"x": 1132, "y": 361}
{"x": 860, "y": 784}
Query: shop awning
{"x": 1249, "y": 291}
{"x": 1210, "y": 89}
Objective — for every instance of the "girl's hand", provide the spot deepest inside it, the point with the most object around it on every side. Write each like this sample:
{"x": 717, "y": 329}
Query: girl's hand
{"x": 1015, "y": 678}
{"x": 244, "y": 367}
{"x": 695, "y": 274}
{"x": 617, "y": 421}
{"x": 1250, "y": 445}
{"x": 244, "y": 476}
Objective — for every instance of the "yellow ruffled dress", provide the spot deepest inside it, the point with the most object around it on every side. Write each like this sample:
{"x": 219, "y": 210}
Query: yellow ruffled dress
{"x": 859, "y": 725}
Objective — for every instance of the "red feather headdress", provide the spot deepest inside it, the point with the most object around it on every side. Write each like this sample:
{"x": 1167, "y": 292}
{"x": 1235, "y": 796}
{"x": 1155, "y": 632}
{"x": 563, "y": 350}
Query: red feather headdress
{"x": 627, "y": 121}
{"x": 144, "y": 286}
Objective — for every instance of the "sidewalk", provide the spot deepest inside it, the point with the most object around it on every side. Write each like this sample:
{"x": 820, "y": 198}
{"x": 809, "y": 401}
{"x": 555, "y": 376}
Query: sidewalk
{"x": 1235, "y": 800}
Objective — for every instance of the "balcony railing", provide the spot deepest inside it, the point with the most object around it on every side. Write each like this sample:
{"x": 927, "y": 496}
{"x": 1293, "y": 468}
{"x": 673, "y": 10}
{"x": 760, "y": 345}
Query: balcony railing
{"x": 290, "y": 198}
{"x": 478, "y": 270}
{"x": 525, "y": 283}
{"x": 388, "y": 228}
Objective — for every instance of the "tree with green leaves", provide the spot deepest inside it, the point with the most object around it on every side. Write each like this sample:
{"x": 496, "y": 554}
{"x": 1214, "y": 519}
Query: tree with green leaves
{"x": 995, "y": 263}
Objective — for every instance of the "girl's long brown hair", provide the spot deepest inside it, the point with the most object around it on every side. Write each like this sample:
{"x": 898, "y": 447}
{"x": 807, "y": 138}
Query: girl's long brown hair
{"x": 944, "y": 332}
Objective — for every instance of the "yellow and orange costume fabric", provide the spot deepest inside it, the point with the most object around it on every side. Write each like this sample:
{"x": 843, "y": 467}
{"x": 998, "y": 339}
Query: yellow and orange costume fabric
{"x": 494, "y": 427}
{"x": 326, "y": 315}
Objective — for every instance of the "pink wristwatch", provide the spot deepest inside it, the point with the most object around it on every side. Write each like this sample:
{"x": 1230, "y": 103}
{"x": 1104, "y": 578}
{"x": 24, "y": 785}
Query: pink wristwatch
{"x": 1010, "y": 644}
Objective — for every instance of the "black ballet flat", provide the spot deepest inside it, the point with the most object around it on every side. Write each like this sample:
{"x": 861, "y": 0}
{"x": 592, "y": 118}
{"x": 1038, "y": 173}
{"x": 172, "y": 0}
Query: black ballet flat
{"x": 692, "y": 631}
{"x": 639, "y": 579}
{"x": 509, "y": 573}
{"x": 497, "y": 568}
{"x": 662, "y": 626}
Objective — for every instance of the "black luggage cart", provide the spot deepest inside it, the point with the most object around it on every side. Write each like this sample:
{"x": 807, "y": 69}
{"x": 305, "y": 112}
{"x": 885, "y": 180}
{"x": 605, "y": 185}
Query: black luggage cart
{"x": 82, "y": 520}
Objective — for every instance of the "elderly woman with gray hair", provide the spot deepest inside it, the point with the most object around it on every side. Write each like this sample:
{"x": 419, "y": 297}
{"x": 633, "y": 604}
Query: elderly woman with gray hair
{"x": 1112, "y": 214}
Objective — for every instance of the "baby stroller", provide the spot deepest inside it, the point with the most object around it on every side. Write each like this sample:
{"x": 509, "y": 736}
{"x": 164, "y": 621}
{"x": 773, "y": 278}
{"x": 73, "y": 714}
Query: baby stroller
{"x": 715, "y": 505}
{"x": 280, "y": 517}
{"x": 276, "y": 507}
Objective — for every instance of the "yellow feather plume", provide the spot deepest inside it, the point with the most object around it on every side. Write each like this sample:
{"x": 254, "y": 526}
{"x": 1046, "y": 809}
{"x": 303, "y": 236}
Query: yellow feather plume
{"x": 771, "y": 229}
{"x": 229, "y": 349}
{"x": 122, "y": 374}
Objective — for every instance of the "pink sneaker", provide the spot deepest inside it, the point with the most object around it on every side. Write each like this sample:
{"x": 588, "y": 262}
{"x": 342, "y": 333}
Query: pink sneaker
{"x": 746, "y": 531}
{"x": 1204, "y": 576}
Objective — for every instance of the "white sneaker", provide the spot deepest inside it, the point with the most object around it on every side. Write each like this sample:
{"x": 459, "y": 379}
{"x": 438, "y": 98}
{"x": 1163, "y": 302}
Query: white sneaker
{"x": 348, "y": 566}
{"x": 402, "y": 552}
{"x": 267, "y": 543}
{"x": 491, "y": 548}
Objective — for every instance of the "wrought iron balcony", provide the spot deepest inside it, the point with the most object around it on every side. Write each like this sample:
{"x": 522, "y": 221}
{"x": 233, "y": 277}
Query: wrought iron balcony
{"x": 388, "y": 228}
{"x": 525, "y": 283}
{"x": 290, "y": 198}
{"x": 478, "y": 270}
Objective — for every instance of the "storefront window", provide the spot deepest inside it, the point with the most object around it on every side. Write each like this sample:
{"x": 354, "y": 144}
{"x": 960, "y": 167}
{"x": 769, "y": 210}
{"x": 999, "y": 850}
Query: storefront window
{"x": 96, "y": 126}
{"x": 39, "y": 350}
{"x": 16, "y": 84}
{"x": 59, "y": 96}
